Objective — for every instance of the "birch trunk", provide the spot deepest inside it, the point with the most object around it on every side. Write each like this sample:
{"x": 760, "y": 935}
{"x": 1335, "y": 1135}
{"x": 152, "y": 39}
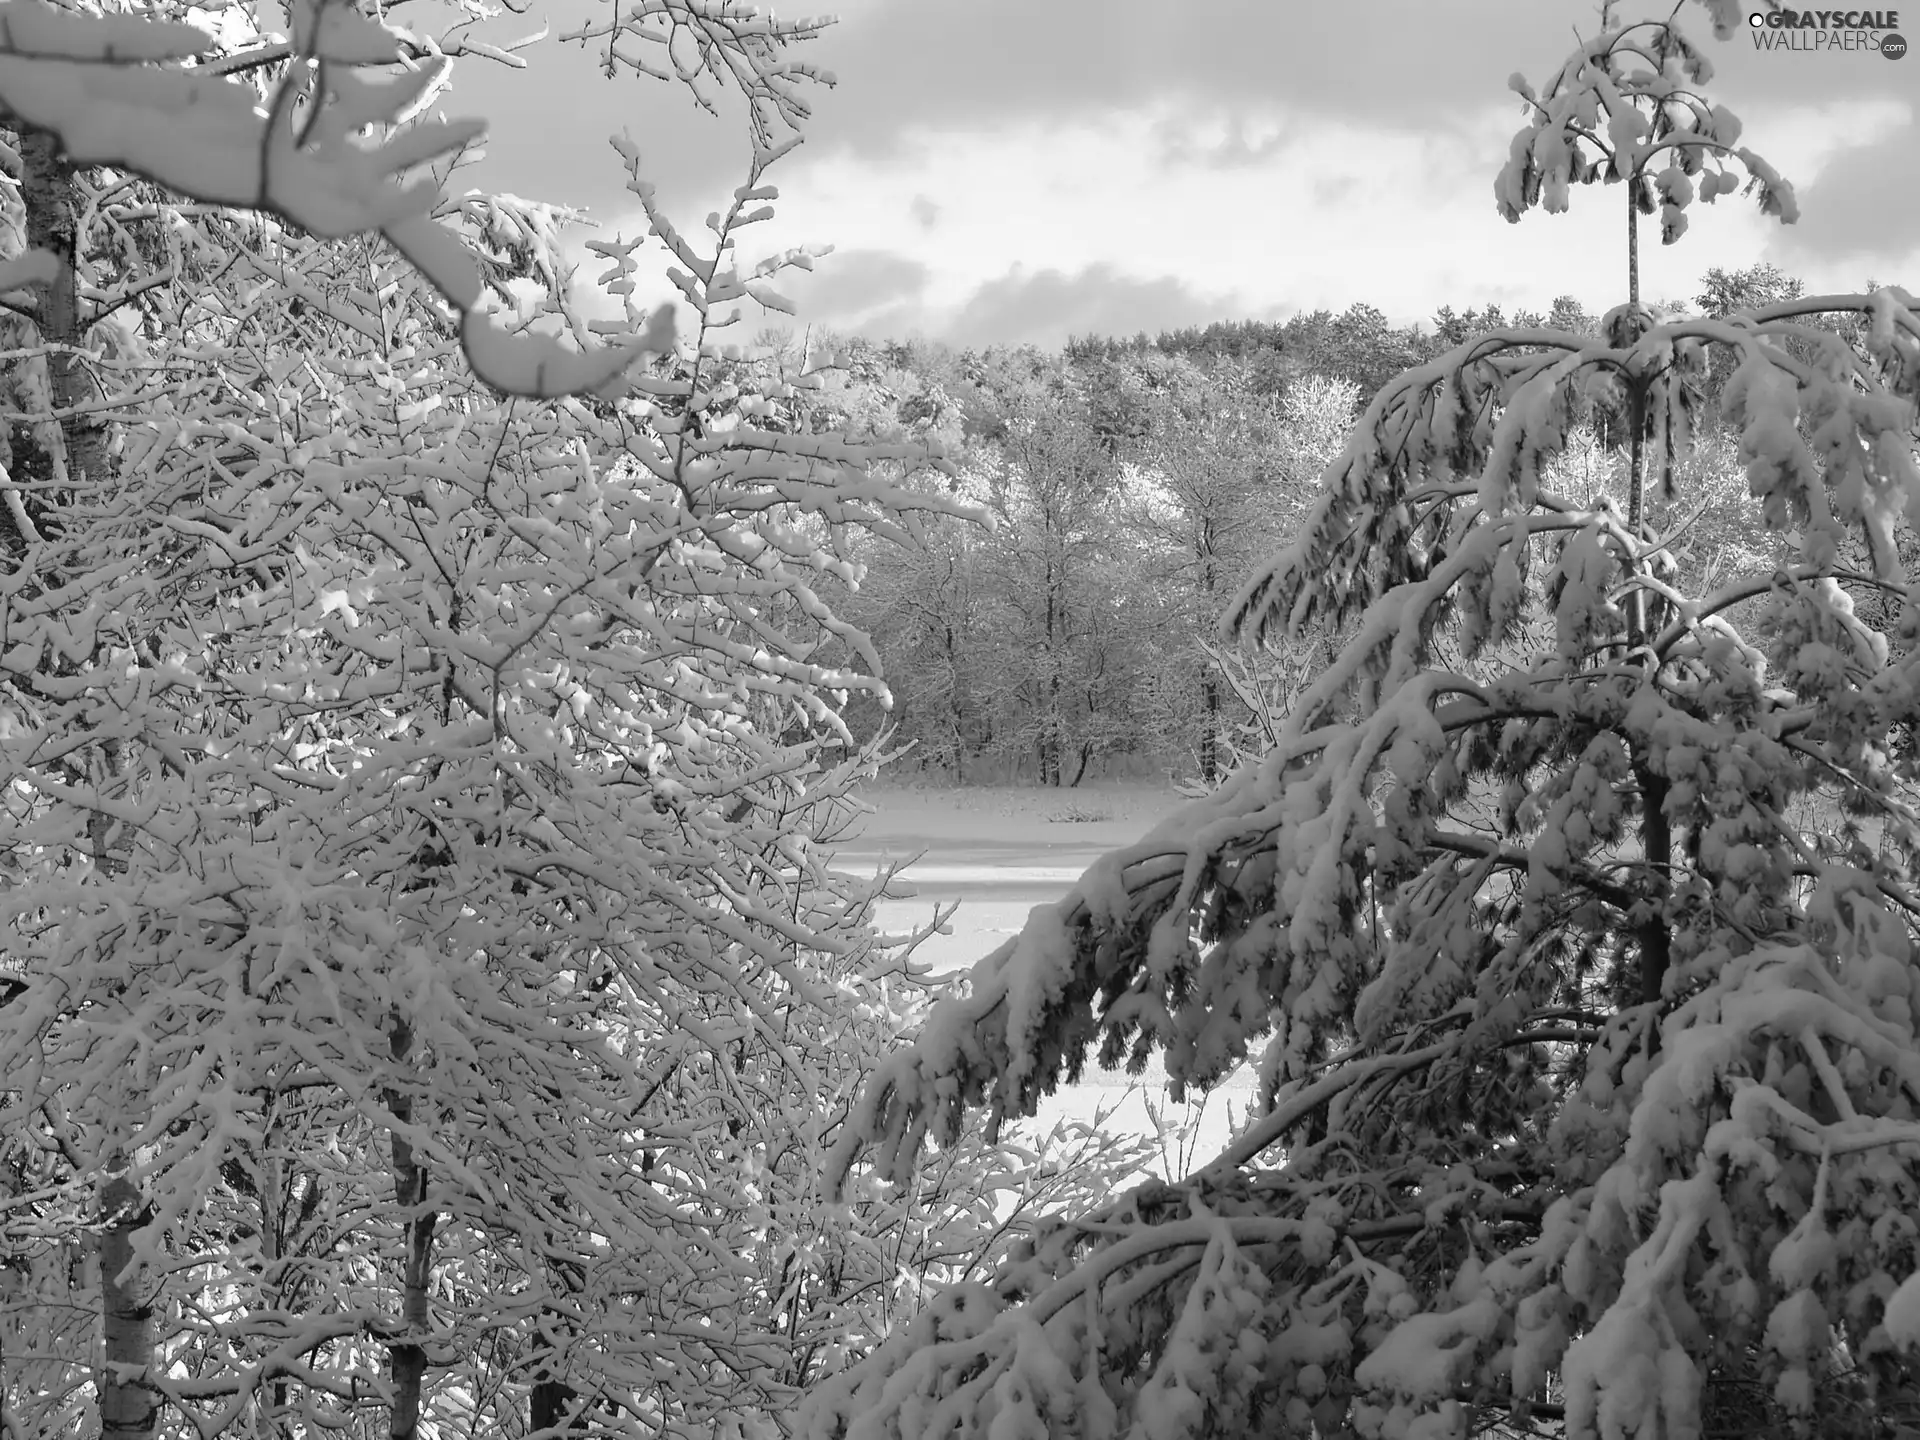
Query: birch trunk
{"x": 77, "y": 446}
{"x": 129, "y": 1408}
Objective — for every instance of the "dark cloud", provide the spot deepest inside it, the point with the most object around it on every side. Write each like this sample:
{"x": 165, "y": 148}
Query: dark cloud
{"x": 945, "y": 63}
{"x": 1044, "y": 307}
{"x": 912, "y": 72}
{"x": 907, "y": 67}
{"x": 850, "y": 283}
{"x": 912, "y": 67}
{"x": 1184, "y": 141}
{"x": 1863, "y": 209}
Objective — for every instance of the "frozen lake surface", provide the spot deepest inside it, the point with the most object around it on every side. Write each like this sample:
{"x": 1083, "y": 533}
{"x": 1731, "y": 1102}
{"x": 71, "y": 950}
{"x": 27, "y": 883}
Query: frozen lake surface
{"x": 1000, "y": 852}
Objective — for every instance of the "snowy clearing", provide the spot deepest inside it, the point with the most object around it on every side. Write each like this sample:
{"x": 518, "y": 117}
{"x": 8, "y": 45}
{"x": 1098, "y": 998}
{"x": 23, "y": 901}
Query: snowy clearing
{"x": 999, "y": 851}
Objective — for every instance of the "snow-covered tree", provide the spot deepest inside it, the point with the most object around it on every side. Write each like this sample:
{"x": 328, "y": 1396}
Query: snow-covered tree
{"x": 930, "y": 612}
{"x": 1222, "y": 475}
{"x": 424, "y": 991}
{"x": 1574, "y": 934}
{"x": 1057, "y": 673}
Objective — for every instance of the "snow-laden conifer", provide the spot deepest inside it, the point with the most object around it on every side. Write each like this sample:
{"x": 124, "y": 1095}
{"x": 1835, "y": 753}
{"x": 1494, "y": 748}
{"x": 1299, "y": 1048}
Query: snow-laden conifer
{"x": 1569, "y": 920}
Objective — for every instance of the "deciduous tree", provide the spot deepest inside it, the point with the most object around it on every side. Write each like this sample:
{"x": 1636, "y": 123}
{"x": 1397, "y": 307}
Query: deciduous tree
{"x": 417, "y": 729}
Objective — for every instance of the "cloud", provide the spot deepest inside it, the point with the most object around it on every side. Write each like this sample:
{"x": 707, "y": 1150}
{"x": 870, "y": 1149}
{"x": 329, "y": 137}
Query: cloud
{"x": 852, "y": 283}
{"x": 1862, "y": 210}
{"x": 1007, "y": 172}
{"x": 1233, "y": 139}
{"x": 919, "y": 73}
{"x": 1333, "y": 189}
{"x": 946, "y": 63}
{"x": 1044, "y": 307}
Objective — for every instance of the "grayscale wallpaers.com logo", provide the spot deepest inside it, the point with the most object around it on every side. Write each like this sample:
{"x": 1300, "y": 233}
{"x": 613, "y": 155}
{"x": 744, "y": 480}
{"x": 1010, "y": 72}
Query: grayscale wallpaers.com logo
{"x": 1828, "y": 30}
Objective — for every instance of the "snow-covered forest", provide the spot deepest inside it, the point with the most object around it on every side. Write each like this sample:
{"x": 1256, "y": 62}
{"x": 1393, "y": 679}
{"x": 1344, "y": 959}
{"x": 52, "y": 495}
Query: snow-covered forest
{"x": 433, "y": 687}
{"x": 1134, "y": 485}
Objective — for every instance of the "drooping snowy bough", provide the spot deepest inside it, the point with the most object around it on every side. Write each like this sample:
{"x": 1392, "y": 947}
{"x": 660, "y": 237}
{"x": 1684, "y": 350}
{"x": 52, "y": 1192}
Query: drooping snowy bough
{"x": 1572, "y": 922}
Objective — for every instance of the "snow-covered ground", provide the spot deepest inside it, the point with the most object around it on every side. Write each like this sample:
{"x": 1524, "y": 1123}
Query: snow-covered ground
{"x": 999, "y": 852}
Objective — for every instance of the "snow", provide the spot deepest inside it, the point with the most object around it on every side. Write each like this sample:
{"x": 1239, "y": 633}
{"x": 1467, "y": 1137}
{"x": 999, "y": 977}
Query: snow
{"x": 209, "y": 138}
{"x": 35, "y": 28}
{"x": 1002, "y": 825}
{"x": 338, "y": 33}
{"x": 535, "y": 364}
{"x": 34, "y": 267}
{"x": 1427, "y": 1355}
{"x": 1903, "y": 1314}
{"x": 998, "y": 851}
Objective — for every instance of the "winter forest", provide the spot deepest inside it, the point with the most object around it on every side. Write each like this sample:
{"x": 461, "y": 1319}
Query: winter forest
{"x": 434, "y": 684}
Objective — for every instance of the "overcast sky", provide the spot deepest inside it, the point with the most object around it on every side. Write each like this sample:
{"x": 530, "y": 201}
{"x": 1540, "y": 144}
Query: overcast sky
{"x": 1001, "y": 171}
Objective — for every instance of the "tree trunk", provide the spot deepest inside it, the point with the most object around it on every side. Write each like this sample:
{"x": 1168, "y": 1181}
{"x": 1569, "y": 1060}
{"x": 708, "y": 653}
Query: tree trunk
{"x": 1086, "y": 755}
{"x": 1656, "y": 832}
{"x": 274, "y": 1231}
{"x": 129, "y": 1408}
{"x": 1633, "y": 240}
{"x": 552, "y": 1399}
{"x": 77, "y": 444}
{"x": 548, "y": 1405}
{"x": 1209, "y": 726}
{"x": 956, "y": 712}
{"x": 1656, "y": 838}
{"x": 1053, "y": 725}
{"x": 1636, "y": 418}
{"x": 77, "y": 449}
{"x": 408, "y": 1355}
{"x": 1209, "y": 682}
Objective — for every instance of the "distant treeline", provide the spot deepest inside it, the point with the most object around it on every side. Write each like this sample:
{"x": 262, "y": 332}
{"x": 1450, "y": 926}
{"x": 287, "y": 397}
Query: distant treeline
{"x": 1134, "y": 484}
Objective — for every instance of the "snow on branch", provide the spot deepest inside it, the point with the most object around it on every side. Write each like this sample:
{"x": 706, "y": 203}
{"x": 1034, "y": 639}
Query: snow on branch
{"x": 1401, "y": 497}
{"x": 112, "y": 89}
{"x": 1624, "y": 108}
{"x": 710, "y": 46}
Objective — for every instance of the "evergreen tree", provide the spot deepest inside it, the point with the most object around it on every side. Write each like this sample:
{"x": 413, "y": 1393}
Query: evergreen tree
{"x": 1580, "y": 937}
